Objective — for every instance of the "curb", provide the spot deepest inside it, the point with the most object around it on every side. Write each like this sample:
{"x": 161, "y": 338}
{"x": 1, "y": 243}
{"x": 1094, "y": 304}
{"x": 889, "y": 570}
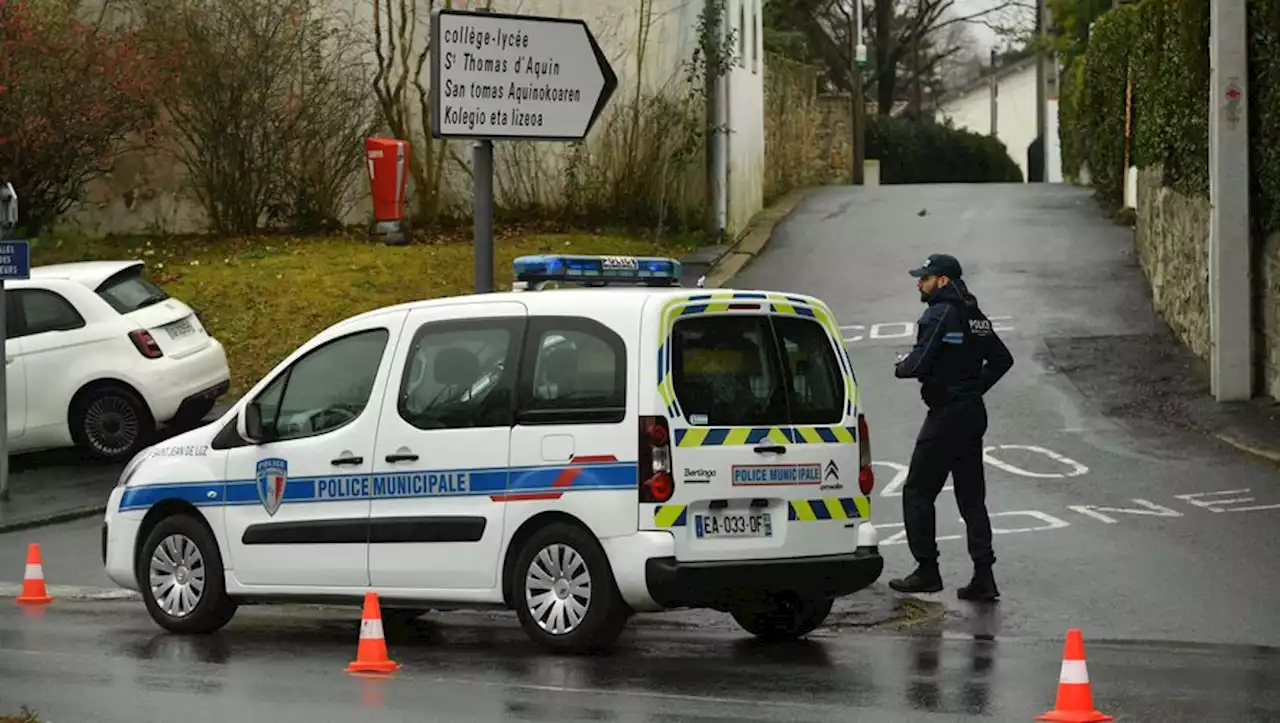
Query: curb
{"x": 1265, "y": 454}
{"x": 757, "y": 235}
{"x": 55, "y": 518}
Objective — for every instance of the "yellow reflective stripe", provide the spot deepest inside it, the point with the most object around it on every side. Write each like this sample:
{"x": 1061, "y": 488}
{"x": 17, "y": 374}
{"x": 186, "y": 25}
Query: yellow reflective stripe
{"x": 810, "y": 435}
{"x": 864, "y": 507}
{"x": 737, "y": 435}
{"x": 694, "y": 437}
{"x": 777, "y": 435}
{"x": 834, "y": 508}
{"x": 804, "y": 511}
{"x": 842, "y": 434}
{"x": 666, "y": 515}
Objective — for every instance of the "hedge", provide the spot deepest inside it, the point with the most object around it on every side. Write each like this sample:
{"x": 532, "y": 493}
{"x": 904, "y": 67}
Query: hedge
{"x": 1071, "y": 136}
{"x": 1264, "y": 112}
{"x": 1161, "y": 47}
{"x": 912, "y": 152}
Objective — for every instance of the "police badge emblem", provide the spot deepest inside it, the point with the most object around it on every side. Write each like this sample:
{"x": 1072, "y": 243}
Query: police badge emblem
{"x": 273, "y": 476}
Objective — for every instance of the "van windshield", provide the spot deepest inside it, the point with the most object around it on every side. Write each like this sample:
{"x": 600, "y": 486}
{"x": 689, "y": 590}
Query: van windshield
{"x": 755, "y": 371}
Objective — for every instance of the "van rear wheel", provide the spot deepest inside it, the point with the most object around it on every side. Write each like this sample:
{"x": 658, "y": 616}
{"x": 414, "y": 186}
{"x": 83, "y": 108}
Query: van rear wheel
{"x": 784, "y": 617}
{"x": 566, "y": 597}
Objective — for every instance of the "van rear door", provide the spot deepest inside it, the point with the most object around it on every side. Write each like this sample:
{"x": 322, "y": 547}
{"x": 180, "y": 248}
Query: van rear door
{"x": 763, "y": 430}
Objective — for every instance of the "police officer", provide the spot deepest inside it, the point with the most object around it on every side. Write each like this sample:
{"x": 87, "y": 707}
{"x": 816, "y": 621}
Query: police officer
{"x": 957, "y": 358}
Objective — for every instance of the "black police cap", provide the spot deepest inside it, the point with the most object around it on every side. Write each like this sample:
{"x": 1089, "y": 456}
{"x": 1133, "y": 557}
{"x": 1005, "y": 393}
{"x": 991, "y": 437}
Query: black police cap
{"x": 938, "y": 265}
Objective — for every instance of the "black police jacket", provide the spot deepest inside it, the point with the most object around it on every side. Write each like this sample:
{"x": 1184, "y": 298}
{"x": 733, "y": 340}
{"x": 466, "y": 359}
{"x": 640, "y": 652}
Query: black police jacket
{"x": 957, "y": 354}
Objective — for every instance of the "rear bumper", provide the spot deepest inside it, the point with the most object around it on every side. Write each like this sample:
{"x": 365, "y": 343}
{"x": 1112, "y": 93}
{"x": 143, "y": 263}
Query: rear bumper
{"x": 202, "y": 399}
{"x": 180, "y": 384}
{"x": 722, "y": 585}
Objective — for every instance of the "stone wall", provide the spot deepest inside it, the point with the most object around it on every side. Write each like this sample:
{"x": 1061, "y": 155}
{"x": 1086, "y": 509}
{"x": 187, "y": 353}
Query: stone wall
{"x": 1268, "y": 315}
{"x": 1172, "y": 243}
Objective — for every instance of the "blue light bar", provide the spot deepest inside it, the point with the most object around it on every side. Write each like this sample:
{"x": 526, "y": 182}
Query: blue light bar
{"x": 598, "y": 270}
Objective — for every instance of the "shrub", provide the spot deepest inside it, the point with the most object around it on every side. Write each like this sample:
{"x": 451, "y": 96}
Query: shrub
{"x": 73, "y": 94}
{"x": 270, "y": 108}
{"x": 1264, "y": 113}
{"x": 912, "y": 152}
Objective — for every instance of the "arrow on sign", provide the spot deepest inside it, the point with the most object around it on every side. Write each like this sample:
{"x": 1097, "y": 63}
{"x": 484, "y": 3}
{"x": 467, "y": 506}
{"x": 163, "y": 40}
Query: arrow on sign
{"x": 516, "y": 77}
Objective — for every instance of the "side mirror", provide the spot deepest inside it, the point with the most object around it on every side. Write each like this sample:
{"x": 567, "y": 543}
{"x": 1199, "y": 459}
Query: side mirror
{"x": 250, "y": 426}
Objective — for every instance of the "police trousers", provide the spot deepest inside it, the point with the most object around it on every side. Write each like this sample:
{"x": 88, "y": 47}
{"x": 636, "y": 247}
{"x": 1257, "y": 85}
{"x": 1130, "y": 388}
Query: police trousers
{"x": 950, "y": 442}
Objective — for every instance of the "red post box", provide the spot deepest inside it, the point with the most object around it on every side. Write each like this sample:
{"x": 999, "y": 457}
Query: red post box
{"x": 387, "y": 160}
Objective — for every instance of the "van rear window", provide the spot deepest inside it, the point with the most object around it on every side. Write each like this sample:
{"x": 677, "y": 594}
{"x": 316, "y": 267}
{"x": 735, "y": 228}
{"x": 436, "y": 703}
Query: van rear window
{"x": 754, "y": 371}
{"x": 129, "y": 290}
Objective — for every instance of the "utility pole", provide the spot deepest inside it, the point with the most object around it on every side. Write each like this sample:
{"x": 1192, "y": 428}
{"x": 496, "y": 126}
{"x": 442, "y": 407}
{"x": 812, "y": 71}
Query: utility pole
{"x": 858, "y": 55}
{"x": 1042, "y": 98}
{"x": 718, "y": 116}
{"x": 995, "y": 92}
{"x": 1230, "y": 286}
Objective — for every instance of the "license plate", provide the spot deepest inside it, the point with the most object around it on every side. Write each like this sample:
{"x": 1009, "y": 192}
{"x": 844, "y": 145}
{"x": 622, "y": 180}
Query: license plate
{"x": 732, "y": 524}
{"x": 179, "y": 329}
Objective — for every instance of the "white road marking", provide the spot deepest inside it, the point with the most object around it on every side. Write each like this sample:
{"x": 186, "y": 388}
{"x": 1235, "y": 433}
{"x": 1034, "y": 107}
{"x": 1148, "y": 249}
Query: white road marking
{"x": 894, "y": 488}
{"x": 1218, "y": 505}
{"x": 1077, "y": 469}
{"x": 73, "y": 592}
{"x": 1096, "y": 511}
{"x": 1050, "y": 523}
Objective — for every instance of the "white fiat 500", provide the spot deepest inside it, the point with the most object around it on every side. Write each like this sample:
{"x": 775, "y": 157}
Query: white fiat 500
{"x": 598, "y": 441}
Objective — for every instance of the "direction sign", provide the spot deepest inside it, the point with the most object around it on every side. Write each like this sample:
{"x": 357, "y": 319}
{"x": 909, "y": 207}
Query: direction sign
{"x": 15, "y": 260}
{"x": 515, "y": 77}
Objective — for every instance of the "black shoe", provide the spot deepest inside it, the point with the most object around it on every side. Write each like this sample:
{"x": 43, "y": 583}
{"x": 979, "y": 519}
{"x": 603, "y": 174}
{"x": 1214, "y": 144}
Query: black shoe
{"x": 981, "y": 588}
{"x": 925, "y": 579}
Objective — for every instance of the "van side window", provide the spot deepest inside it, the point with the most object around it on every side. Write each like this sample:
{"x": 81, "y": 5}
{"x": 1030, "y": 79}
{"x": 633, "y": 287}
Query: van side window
{"x": 725, "y": 371}
{"x": 326, "y": 389}
{"x": 460, "y": 375}
{"x": 815, "y": 385}
{"x": 574, "y": 372}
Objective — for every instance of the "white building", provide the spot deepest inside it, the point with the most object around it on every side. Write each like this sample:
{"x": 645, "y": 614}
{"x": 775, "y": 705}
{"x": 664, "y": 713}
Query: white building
{"x": 1014, "y": 108}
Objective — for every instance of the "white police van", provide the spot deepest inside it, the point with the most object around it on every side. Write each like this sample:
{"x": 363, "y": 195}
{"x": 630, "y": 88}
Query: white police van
{"x": 576, "y": 454}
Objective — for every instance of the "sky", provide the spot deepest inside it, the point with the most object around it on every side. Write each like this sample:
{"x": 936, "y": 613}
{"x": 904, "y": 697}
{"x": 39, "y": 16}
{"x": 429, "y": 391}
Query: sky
{"x": 984, "y": 35}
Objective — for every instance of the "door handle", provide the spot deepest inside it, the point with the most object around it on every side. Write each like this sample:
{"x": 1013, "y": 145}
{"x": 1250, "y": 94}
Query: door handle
{"x": 402, "y": 458}
{"x": 347, "y": 460}
{"x": 775, "y": 448}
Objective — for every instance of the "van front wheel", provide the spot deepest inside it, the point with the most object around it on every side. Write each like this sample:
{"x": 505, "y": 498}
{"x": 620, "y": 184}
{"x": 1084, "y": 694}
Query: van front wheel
{"x": 784, "y": 617}
{"x": 181, "y": 578}
{"x": 566, "y": 598}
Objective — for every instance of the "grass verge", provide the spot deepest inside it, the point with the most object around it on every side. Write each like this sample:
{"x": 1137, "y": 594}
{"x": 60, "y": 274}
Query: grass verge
{"x": 263, "y": 297}
{"x": 26, "y": 715}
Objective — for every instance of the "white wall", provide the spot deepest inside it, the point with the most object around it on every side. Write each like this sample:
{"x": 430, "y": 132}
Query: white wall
{"x": 746, "y": 116}
{"x": 1015, "y": 112}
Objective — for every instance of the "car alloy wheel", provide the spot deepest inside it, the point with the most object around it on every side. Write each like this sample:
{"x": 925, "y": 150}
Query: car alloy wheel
{"x": 557, "y": 589}
{"x": 177, "y": 575}
{"x": 111, "y": 424}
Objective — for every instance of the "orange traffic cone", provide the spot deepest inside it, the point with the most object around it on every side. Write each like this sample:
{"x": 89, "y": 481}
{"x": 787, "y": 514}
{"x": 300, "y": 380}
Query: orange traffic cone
{"x": 33, "y": 589}
{"x": 371, "y": 655}
{"x": 1075, "y": 695}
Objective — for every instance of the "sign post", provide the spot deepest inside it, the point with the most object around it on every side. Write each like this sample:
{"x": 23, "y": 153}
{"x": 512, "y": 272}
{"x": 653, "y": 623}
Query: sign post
{"x": 496, "y": 76}
{"x": 15, "y": 263}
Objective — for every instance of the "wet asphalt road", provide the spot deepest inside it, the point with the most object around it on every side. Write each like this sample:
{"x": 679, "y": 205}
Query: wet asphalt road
{"x": 1175, "y": 595}
{"x": 106, "y": 662}
{"x": 1202, "y": 569}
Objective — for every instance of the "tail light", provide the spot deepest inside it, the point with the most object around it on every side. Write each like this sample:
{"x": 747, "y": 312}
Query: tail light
{"x": 145, "y": 344}
{"x": 866, "y": 477}
{"x": 656, "y": 482}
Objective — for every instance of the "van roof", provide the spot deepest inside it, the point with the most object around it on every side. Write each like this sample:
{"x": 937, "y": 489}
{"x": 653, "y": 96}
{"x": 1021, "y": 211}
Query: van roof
{"x": 619, "y": 295}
